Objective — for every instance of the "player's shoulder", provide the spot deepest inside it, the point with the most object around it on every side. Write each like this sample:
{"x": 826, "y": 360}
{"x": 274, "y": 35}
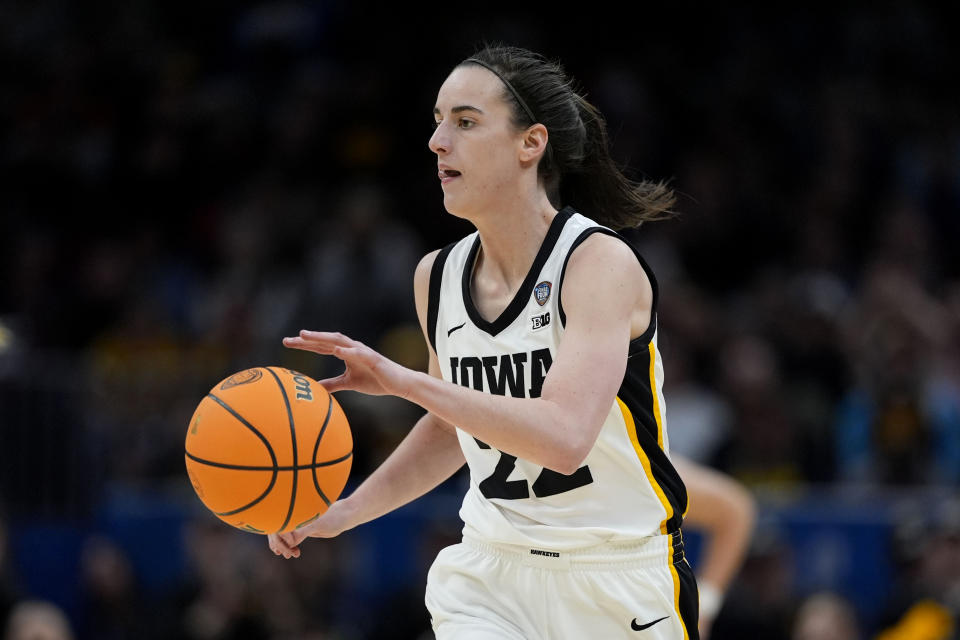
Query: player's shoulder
{"x": 425, "y": 265}
{"x": 421, "y": 286}
{"x": 427, "y": 275}
{"x": 605, "y": 252}
{"x": 421, "y": 278}
{"x": 435, "y": 259}
{"x": 604, "y": 263}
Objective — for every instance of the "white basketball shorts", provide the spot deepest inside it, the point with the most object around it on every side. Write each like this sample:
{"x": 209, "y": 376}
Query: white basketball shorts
{"x": 643, "y": 591}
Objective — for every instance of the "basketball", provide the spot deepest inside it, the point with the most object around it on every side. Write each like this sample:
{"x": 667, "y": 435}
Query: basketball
{"x": 268, "y": 450}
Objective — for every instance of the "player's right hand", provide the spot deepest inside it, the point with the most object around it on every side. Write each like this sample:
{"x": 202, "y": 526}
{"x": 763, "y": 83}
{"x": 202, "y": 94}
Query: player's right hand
{"x": 367, "y": 371}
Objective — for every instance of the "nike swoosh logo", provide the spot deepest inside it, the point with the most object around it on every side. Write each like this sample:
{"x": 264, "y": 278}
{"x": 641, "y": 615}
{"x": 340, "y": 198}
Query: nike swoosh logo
{"x": 641, "y": 627}
{"x": 459, "y": 326}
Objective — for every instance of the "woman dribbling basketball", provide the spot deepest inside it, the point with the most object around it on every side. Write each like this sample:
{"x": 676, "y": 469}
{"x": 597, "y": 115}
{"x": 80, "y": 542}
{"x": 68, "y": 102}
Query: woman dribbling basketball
{"x": 544, "y": 377}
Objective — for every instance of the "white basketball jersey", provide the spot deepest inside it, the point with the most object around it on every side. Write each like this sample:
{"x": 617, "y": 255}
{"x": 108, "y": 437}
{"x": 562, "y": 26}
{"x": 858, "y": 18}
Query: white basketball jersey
{"x": 626, "y": 488}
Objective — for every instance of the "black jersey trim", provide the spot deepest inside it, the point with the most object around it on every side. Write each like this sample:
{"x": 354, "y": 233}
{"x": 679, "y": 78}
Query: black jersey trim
{"x": 637, "y": 395}
{"x": 520, "y": 299}
{"x": 642, "y": 340}
{"x": 293, "y": 439}
{"x": 433, "y": 299}
{"x": 686, "y": 600}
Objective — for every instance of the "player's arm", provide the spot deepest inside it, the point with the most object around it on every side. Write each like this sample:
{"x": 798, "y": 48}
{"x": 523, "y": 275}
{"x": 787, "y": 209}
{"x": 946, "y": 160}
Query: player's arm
{"x": 725, "y": 511}
{"x": 604, "y": 291}
{"x": 425, "y": 458}
{"x": 600, "y": 296}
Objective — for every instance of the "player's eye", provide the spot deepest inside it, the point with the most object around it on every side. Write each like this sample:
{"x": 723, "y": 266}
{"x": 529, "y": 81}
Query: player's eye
{"x": 463, "y": 123}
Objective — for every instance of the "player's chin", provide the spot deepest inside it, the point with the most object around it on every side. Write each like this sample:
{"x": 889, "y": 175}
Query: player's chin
{"x": 455, "y": 206}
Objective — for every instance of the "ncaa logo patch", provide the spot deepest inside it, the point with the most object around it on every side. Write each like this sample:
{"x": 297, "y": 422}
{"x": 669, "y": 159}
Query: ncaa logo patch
{"x": 542, "y": 292}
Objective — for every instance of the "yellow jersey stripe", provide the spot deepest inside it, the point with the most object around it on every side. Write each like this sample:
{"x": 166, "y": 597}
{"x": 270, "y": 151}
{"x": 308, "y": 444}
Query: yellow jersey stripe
{"x": 676, "y": 591}
{"x": 655, "y": 394}
{"x": 645, "y": 462}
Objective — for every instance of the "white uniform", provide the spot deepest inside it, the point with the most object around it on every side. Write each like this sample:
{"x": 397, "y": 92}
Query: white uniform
{"x": 622, "y": 508}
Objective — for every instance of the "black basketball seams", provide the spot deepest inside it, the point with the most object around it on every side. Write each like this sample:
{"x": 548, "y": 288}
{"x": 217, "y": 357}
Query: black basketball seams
{"x": 253, "y": 467}
{"x": 316, "y": 448}
{"x": 246, "y": 506}
{"x": 293, "y": 438}
{"x": 245, "y": 423}
{"x": 266, "y": 443}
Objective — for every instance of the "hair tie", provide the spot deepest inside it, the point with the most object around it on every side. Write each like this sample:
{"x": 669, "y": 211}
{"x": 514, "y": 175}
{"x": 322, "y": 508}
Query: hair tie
{"x": 509, "y": 86}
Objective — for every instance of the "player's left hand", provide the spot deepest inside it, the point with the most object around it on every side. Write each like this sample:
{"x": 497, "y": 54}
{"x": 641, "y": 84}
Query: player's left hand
{"x": 332, "y": 523}
{"x": 366, "y": 370}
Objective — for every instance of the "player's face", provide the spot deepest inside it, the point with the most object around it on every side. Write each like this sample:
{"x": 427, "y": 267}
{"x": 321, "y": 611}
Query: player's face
{"x": 476, "y": 144}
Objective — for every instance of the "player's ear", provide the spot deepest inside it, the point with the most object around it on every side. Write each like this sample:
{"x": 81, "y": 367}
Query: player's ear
{"x": 533, "y": 143}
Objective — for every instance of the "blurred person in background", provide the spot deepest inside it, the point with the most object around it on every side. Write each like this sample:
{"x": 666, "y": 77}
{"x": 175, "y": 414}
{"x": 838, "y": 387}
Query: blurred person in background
{"x": 826, "y": 616}
{"x": 925, "y": 620}
{"x": 38, "y": 620}
{"x": 725, "y": 511}
{"x": 760, "y": 603}
{"x": 762, "y": 448}
{"x": 113, "y": 601}
{"x": 362, "y": 253}
{"x": 925, "y": 602}
{"x": 225, "y": 598}
{"x": 899, "y": 423}
{"x": 700, "y": 416}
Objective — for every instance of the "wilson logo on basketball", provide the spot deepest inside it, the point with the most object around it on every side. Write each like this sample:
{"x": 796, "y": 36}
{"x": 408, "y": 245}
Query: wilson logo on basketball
{"x": 302, "y": 385}
{"x": 243, "y": 377}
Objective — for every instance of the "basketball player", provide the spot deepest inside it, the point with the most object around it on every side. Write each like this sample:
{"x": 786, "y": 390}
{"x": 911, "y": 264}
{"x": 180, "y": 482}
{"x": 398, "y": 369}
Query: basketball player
{"x": 544, "y": 378}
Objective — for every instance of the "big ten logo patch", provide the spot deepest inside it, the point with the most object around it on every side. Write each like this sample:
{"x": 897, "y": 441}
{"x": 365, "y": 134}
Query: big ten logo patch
{"x": 540, "y": 321}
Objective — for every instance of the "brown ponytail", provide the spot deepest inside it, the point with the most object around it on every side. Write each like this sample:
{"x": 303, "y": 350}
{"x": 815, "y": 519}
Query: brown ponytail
{"x": 576, "y": 168}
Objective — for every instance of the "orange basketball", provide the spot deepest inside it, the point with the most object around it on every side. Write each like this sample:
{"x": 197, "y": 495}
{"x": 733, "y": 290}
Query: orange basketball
{"x": 268, "y": 450}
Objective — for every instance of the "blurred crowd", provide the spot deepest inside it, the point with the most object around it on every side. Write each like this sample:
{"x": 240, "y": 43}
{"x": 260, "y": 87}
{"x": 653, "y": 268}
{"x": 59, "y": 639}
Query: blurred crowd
{"x": 184, "y": 184}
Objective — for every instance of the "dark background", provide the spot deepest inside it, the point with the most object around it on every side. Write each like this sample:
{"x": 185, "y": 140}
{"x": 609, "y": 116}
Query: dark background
{"x": 185, "y": 183}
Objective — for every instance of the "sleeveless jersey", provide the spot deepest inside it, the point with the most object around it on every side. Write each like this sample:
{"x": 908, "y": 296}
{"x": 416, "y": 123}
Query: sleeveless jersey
{"x": 626, "y": 488}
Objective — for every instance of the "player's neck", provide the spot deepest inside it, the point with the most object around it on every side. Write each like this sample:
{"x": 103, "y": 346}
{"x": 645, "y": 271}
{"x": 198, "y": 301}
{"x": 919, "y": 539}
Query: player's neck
{"x": 511, "y": 239}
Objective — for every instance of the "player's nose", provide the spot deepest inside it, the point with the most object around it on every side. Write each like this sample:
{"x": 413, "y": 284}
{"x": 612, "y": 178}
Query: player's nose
{"x": 440, "y": 140}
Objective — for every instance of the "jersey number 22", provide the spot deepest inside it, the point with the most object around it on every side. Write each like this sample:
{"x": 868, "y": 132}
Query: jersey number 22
{"x": 548, "y": 483}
